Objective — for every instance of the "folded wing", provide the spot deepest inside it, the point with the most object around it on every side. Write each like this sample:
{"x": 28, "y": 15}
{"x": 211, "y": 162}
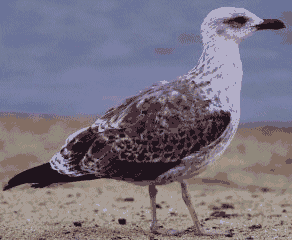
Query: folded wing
{"x": 145, "y": 136}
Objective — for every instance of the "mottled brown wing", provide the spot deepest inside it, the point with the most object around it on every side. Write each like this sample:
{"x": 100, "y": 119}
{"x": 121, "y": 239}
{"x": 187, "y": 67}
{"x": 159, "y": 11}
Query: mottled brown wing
{"x": 148, "y": 134}
{"x": 156, "y": 129}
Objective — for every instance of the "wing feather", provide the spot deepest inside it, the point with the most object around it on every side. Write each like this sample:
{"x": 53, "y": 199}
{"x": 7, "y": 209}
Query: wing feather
{"x": 155, "y": 129}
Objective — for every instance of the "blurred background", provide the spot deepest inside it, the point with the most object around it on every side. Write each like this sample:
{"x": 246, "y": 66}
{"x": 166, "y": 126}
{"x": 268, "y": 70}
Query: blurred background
{"x": 82, "y": 57}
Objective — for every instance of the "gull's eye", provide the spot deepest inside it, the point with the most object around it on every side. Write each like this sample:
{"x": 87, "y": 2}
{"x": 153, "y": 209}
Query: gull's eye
{"x": 241, "y": 20}
{"x": 236, "y": 22}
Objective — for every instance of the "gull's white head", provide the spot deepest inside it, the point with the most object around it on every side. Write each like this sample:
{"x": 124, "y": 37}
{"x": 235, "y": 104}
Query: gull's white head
{"x": 235, "y": 24}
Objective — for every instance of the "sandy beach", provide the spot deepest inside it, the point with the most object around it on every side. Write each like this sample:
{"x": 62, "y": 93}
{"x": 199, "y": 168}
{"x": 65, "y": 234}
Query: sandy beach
{"x": 247, "y": 191}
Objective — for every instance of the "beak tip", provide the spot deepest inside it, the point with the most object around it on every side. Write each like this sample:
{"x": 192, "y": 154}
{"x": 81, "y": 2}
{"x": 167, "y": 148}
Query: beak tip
{"x": 273, "y": 24}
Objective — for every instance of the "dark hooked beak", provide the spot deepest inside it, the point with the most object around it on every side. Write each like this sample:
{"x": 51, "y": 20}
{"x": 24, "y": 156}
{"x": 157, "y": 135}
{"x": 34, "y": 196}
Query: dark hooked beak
{"x": 273, "y": 24}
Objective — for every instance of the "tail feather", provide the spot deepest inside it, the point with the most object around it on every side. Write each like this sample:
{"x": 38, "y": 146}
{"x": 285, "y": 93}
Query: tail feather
{"x": 43, "y": 176}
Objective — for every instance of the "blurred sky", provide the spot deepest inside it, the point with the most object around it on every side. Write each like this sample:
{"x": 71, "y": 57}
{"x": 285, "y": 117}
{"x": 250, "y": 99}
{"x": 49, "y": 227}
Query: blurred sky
{"x": 82, "y": 57}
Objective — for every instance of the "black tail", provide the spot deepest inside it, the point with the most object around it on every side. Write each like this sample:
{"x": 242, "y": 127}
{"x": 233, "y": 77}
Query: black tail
{"x": 42, "y": 176}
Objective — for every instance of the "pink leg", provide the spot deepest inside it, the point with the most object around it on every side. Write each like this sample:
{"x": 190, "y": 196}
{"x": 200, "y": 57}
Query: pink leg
{"x": 197, "y": 230}
{"x": 187, "y": 199}
{"x": 152, "y": 192}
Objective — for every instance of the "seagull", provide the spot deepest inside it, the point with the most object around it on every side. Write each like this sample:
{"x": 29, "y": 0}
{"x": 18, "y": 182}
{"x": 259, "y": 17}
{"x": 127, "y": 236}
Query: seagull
{"x": 168, "y": 132}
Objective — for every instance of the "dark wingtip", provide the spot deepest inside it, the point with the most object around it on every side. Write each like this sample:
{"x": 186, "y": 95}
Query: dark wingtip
{"x": 6, "y": 187}
{"x": 43, "y": 176}
{"x": 36, "y": 174}
{"x": 273, "y": 24}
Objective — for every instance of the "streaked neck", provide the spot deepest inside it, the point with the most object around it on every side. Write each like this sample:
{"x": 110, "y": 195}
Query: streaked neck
{"x": 217, "y": 55}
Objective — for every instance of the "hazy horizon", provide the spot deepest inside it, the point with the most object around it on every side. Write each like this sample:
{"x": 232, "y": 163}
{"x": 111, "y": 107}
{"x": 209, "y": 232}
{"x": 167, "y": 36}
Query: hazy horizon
{"x": 73, "y": 57}
{"x": 24, "y": 115}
